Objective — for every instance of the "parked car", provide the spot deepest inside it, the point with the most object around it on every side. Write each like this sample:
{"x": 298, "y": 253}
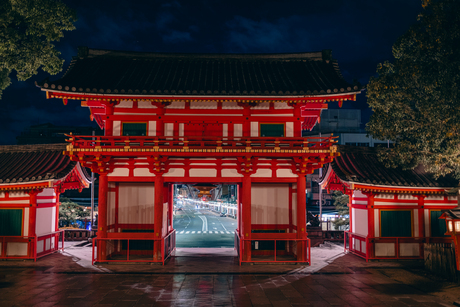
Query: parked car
{"x": 223, "y": 214}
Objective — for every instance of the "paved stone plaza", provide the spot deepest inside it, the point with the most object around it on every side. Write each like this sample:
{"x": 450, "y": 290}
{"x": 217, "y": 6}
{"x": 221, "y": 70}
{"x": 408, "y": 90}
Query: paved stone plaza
{"x": 193, "y": 278}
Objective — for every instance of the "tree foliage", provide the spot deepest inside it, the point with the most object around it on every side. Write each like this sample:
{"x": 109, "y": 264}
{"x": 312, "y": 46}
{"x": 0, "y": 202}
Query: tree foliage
{"x": 70, "y": 211}
{"x": 27, "y": 30}
{"x": 340, "y": 201}
{"x": 416, "y": 97}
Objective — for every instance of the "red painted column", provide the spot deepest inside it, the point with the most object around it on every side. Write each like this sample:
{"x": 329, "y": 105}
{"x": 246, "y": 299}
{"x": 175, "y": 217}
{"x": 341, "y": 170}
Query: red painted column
{"x": 246, "y": 217}
{"x": 371, "y": 226}
{"x": 58, "y": 203}
{"x": 421, "y": 216}
{"x": 109, "y": 120}
{"x": 32, "y": 221}
{"x": 32, "y": 212}
{"x": 158, "y": 215}
{"x": 102, "y": 216}
{"x": 171, "y": 207}
{"x": 301, "y": 216}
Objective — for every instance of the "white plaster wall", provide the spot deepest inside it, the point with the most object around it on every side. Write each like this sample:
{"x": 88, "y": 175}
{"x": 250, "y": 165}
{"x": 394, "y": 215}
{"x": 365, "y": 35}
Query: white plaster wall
{"x": 384, "y": 249}
{"x": 282, "y": 105}
{"x": 285, "y": 173}
{"x": 152, "y": 128}
{"x": 254, "y": 129}
{"x": 122, "y": 172}
{"x": 16, "y": 248}
{"x": 45, "y": 220}
{"x": 145, "y": 104}
{"x": 142, "y": 172}
{"x": 125, "y": 104}
{"x": 409, "y": 249}
{"x": 136, "y": 203}
{"x": 169, "y": 129}
{"x": 270, "y": 203}
{"x": 116, "y": 128}
{"x": 111, "y": 198}
{"x": 359, "y": 221}
{"x": 203, "y": 172}
{"x": 289, "y": 129}
{"x": 176, "y": 105}
{"x": 416, "y": 226}
{"x": 237, "y": 130}
{"x": 47, "y": 192}
{"x": 230, "y": 173}
{"x": 225, "y": 130}
{"x": 376, "y": 223}
{"x": 203, "y": 105}
{"x": 181, "y": 129}
{"x": 294, "y": 208}
{"x": 261, "y": 172}
{"x": 26, "y": 222}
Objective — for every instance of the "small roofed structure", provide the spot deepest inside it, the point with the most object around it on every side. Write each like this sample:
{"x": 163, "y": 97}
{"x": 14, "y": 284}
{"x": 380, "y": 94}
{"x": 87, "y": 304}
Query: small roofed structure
{"x": 31, "y": 179}
{"x": 452, "y": 218}
{"x": 392, "y": 211}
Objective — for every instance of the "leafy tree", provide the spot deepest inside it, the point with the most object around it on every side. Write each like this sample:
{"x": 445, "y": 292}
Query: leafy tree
{"x": 69, "y": 211}
{"x": 340, "y": 201}
{"x": 27, "y": 30}
{"x": 416, "y": 97}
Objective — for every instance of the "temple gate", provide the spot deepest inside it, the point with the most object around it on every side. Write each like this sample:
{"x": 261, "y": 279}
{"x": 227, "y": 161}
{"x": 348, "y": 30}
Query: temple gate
{"x": 202, "y": 118}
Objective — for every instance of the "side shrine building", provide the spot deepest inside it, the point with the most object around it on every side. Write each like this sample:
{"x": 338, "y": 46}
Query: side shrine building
{"x": 202, "y": 118}
{"x": 393, "y": 212}
{"x": 31, "y": 179}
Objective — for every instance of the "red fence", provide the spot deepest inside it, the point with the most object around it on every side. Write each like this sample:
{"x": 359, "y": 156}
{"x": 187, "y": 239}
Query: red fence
{"x": 134, "y": 247}
{"x": 31, "y": 247}
{"x": 388, "y": 247}
{"x": 273, "y": 248}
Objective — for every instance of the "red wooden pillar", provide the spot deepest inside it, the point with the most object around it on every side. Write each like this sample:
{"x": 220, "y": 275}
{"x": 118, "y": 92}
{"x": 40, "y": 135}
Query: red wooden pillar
{"x": 301, "y": 217}
{"x": 370, "y": 248}
{"x": 102, "y": 216}
{"x": 56, "y": 228}
{"x": 170, "y": 207}
{"x": 158, "y": 215}
{"x": 32, "y": 213}
{"x": 421, "y": 216}
{"x": 109, "y": 121}
{"x": 246, "y": 217}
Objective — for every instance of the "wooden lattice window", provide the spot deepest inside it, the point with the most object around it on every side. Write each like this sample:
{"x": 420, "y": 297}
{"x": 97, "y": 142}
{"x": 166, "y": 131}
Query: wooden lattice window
{"x": 134, "y": 129}
{"x": 10, "y": 222}
{"x": 272, "y": 130}
{"x": 396, "y": 223}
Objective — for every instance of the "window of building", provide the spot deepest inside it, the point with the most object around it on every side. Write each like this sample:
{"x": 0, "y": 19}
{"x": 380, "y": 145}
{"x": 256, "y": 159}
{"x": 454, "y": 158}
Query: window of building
{"x": 272, "y": 130}
{"x": 10, "y": 222}
{"x": 134, "y": 129}
{"x": 396, "y": 223}
{"x": 438, "y": 227}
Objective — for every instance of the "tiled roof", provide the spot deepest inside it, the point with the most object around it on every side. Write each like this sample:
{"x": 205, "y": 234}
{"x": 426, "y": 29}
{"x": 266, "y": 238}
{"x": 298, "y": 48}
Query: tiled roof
{"x": 361, "y": 165}
{"x": 29, "y": 163}
{"x": 118, "y": 72}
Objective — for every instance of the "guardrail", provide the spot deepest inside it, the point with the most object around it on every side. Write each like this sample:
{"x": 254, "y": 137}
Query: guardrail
{"x": 31, "y": 247}
{"x": 186, "y": 143}
{"x": 78, "y": 234}
{"x": 273, "y": 250}
{"x": 134, "y": 247}
{"x": 389, "y": 247}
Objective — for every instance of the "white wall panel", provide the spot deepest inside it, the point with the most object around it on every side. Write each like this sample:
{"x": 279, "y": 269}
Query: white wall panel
{"x": 289, "y": 129}
{"x": 116, "y": 128}
{"x": 359, "y": 220}
{"x": 254, "y": 129}
{"x": 45, "y": 220}
{"x": 230, "y": 173}
{"x": 136, "y": 203}
{"x": 270, "y": 203}
{"x": 203, "y": 172}
{"x": 237, "y": 130}
{"x": 262, "y": 172}
{"x": 122, "y": 172}
{"x": 285, "y": 173}
{"x": 152, "y": 128}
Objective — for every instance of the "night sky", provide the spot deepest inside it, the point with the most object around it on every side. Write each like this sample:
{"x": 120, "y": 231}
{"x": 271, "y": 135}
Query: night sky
{"x": 359, "y": 32}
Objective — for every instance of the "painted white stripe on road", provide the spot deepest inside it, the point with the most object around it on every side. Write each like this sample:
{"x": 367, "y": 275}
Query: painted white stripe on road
{"x": 193, "y": 232}
{"x": 187, "y": 232}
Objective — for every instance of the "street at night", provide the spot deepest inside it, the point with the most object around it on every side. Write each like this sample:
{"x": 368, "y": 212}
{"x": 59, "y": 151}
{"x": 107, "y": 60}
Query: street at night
{"x": 203, "y": 228}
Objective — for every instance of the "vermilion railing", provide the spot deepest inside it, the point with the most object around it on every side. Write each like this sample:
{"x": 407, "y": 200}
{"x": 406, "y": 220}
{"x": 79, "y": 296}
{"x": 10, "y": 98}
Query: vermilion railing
{"x": 200, "y": 142}
{"x": 289, "y": 252}
{"x": 11, "y": 246}
{"x": 123, "y": 251}
{"x": 365, "y": 246}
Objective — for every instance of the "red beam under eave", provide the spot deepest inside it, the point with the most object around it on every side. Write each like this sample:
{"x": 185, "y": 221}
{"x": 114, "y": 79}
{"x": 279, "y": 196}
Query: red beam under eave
{"x": 294, "y": 99}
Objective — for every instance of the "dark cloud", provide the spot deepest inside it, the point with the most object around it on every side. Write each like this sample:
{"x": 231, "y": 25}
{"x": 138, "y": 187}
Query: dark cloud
{"x": 360, "y": 33}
